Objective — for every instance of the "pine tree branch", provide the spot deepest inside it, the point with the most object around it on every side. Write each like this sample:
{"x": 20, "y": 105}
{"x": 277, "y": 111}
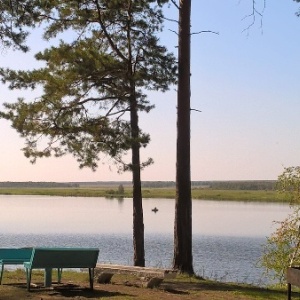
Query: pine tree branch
{"x": 255, "y": 12}
{"x": 103, "y": 27}
{"x": 205, "y": 31}
{"x": 196, "y": 109}
{"x": 175, "y": 4}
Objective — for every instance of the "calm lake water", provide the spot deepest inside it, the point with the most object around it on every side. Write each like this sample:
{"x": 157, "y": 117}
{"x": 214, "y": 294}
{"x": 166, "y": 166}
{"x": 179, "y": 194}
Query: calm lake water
{"x": 227, "y": 236}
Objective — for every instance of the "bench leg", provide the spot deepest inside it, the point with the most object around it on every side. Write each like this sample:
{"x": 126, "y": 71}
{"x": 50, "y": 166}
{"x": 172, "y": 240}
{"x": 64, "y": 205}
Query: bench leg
{"x": 48, "y": 277}
{"x": 91, "y": 276}
{"x": 289, "y": 291}
{"x": 1, "y": 275}
{"x": 59, "y": 274}
{"x": 28, "y": 278}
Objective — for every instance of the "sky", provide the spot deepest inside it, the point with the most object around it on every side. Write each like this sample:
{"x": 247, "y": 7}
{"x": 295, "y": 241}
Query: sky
{"x": 245, "y": 82}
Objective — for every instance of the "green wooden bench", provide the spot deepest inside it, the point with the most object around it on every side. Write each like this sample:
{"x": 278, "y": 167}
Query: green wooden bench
{"x": 61, "y": 258}
{"x": 13, "y": 256}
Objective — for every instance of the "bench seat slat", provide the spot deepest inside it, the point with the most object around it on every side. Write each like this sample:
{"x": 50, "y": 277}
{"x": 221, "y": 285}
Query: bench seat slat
{"x": 18, "y": 261}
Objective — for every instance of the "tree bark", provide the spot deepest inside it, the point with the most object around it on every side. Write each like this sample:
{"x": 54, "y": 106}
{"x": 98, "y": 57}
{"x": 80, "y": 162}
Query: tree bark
{"x": 138, "y": 218}
{"x": 183, "y": 259}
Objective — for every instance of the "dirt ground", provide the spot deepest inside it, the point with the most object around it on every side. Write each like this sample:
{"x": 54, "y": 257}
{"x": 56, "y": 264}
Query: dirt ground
{"x": 121, "y": 289}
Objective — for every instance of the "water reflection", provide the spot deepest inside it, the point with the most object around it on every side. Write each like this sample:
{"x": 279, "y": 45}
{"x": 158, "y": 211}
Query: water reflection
{"x": 45, "y": 214}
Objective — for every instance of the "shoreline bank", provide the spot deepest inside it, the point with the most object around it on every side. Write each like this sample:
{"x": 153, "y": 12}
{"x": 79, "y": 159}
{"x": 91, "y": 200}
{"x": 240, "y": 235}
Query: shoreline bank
{"x": 166, "y": 193}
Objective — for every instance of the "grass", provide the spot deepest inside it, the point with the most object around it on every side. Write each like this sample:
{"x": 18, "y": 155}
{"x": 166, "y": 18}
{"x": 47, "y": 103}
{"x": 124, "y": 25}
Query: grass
{"x": 197, "y": 193}
{"x": 127, "y": 287}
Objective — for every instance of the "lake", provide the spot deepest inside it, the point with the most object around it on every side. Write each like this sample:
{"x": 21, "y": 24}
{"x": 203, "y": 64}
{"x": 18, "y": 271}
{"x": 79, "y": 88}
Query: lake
{"x": 227, "y": 236}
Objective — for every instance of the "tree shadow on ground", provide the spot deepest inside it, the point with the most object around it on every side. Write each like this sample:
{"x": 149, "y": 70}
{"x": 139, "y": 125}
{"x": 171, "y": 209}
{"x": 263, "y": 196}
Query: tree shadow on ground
{"x": 203, "y": 285}
{"x": 69, "y": 291}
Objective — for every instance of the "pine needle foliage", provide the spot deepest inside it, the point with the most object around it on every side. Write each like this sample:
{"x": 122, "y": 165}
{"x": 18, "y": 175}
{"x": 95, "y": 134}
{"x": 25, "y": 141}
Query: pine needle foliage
{"x": 15, "y": 17}
{"x": 108, "y": 56}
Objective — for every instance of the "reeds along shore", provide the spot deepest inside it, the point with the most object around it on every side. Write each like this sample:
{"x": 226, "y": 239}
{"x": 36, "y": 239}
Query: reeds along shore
{"x": 113, "y": 192}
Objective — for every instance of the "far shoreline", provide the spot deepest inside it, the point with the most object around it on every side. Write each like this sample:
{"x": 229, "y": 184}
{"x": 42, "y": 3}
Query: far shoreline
{"x": 270, "y": 196}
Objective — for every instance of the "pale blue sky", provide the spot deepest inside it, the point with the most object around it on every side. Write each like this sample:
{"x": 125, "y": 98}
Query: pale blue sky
{"x": 245, "y": 84}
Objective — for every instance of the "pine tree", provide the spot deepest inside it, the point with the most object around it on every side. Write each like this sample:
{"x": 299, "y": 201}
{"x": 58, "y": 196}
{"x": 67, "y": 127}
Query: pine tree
{"x": 94, "y": 86}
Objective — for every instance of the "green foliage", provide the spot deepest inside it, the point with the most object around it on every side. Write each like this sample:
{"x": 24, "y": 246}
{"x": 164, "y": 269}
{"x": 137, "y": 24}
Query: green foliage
{"x": 281, "y": 249}
{"x": 14, "y": 16}
{"x": 94, "y": 82}
{"x": 281, "y": 246}
{"x": 289, "y": 183}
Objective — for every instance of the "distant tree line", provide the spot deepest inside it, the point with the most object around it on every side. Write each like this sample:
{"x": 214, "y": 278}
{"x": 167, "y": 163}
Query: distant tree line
{"x": 221, "y": 185}
{"x": 217, "y": 185}
{"x": 32, "y": 184}
{"x": 238, "y": 185}
{"x": 158, "y": 184}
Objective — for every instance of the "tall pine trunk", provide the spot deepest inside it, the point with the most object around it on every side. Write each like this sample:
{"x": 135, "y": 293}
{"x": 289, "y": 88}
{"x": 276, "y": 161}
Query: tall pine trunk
{"x": 183, "y": 259}
{"x": 138, "y": 218}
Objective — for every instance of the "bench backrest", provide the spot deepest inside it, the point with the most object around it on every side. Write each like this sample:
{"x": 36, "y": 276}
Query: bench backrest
{"x": 21, "y": 254}
{"x": 64, "y": 257}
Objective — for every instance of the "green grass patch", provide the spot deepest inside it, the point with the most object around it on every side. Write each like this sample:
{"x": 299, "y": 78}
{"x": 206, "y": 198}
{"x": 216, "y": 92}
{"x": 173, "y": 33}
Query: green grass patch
{"x": 229, "y": 290}
{"x": 183, "y": 287}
